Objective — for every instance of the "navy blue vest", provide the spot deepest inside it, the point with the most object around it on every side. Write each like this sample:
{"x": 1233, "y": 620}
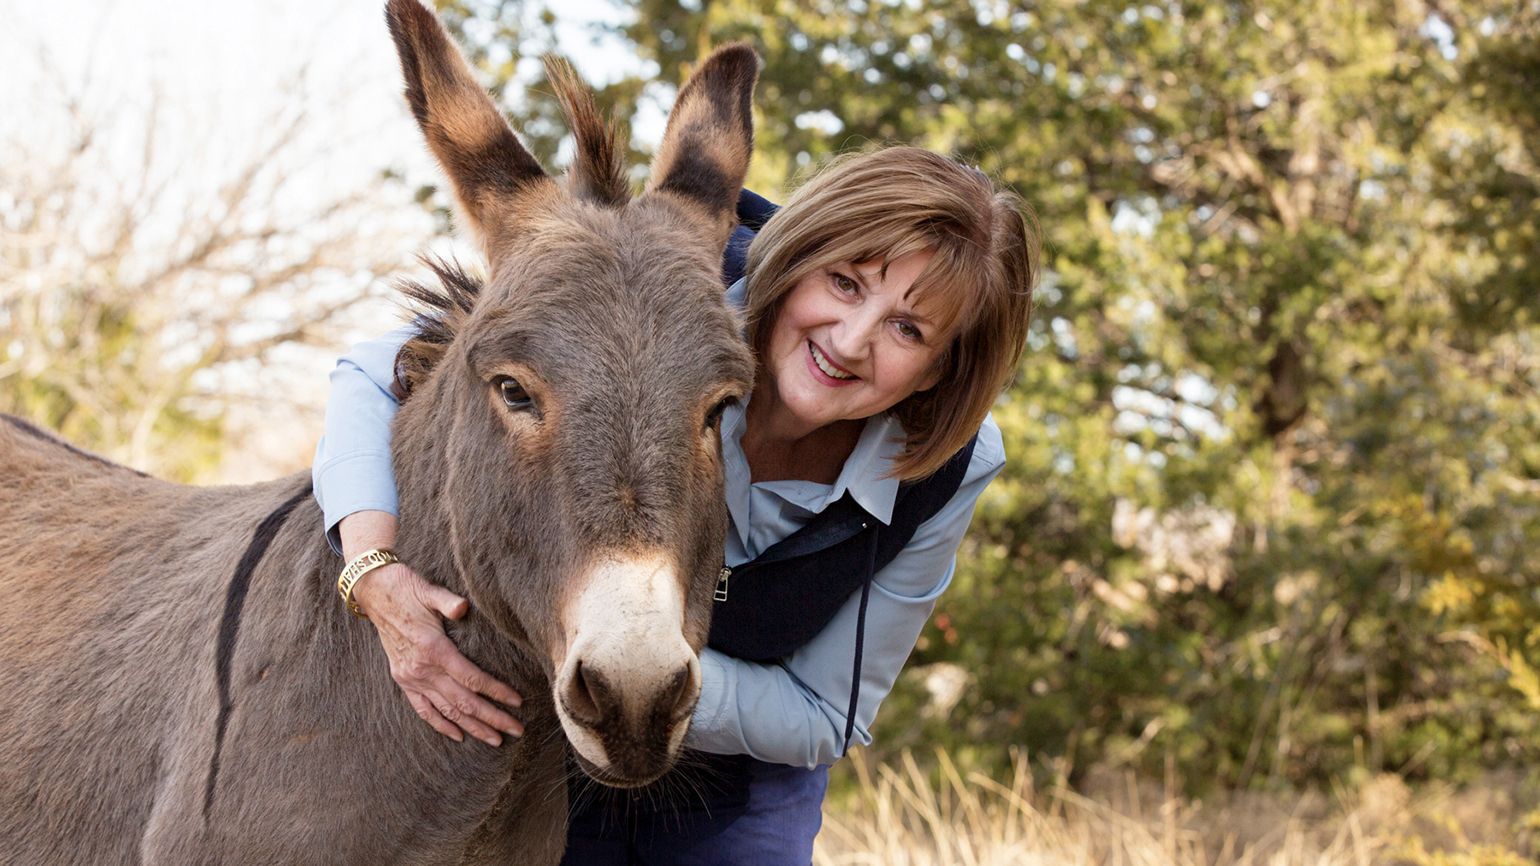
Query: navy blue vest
{"x": 770, "y": 606}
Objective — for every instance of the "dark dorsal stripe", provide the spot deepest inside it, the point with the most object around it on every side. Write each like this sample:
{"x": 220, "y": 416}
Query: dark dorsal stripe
{"x": 230, "y": 624}
{"x": 36, "y": 432}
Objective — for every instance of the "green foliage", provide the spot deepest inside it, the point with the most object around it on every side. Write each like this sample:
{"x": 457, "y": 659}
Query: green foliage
{"x": 104, "y": 387}
{"x": 1273, "y": 479}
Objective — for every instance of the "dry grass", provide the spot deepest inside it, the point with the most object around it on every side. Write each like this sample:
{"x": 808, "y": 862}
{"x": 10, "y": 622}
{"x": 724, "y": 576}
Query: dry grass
{"x": 899, "y": 817}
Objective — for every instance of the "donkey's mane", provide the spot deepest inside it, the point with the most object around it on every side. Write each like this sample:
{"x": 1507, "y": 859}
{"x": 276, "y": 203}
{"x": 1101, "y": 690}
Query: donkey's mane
{"x": 598, "y": 170}
{"x": 439, "y": 312}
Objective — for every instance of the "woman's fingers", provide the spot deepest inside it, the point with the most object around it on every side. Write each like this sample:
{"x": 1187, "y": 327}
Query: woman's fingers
{"x": 428, "y": 713}
{"x": 449, "y": 605}
{"x": 455, "y": 677}
{"x": 466, "y": 709}
{"x": 451, "y": 708}
{"x": 467, "y": 674}
{"x": 442, "y": 685}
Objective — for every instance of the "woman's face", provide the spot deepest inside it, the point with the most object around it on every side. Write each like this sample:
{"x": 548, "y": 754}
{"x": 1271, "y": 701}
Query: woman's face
{"x": 847, "y": 344}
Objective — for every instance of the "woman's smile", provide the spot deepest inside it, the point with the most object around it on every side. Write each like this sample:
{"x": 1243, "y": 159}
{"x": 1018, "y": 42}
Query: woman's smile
{"x": 827, "y": 371}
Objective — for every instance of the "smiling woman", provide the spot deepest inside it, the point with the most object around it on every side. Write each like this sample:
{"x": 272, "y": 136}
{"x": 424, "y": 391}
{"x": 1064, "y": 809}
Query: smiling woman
{"x": 848, "y": 343}
{"x": 953, "y": 261}
{"x": 887, "y": 304}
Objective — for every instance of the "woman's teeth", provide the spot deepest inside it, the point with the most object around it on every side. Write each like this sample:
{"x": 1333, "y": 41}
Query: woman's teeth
{"x": 828, "y": 369}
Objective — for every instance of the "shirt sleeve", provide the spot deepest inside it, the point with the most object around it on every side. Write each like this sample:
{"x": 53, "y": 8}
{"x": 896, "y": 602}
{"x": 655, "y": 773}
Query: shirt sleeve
{"x": 794, "y": 712}
{"x": 352, "y": 469}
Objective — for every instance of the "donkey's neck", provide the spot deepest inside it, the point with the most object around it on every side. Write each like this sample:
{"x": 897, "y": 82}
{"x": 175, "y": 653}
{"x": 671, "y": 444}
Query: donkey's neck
{"x": 492, "y": 639}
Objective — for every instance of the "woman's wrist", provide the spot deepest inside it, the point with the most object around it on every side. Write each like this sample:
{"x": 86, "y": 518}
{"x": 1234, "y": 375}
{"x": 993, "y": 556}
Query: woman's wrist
{"x": 366, "y": 530}
{"x": 360, "y": 532}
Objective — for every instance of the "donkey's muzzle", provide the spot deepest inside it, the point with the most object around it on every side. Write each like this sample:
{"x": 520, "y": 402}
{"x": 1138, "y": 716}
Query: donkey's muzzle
{"x": 638, "y": 728}
{"x": 630, "y": 680}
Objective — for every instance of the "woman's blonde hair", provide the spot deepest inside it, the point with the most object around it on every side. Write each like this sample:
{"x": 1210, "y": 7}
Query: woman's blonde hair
{"x": 879, "y": 205}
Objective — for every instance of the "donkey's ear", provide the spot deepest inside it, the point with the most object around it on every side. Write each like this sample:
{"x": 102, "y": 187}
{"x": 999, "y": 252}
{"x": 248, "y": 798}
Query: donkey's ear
{"x": 598, "y": 170}
{"x": 485, "y": 162}
{"x": 710, "y": 133}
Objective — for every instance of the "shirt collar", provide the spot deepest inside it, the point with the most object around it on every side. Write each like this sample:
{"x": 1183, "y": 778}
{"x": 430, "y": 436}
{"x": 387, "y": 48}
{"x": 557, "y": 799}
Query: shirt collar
{"x": 864, "y": 476}
{"x": 865, "y": 473}
{"x": 738, "y": 294}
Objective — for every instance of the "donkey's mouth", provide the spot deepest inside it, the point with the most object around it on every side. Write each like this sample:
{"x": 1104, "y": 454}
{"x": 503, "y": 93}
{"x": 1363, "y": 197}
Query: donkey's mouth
{"x": 613, "y": 780}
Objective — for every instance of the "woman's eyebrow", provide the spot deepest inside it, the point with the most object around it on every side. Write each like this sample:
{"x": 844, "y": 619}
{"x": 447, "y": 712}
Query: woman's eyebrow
{"x": 915, "y": 316}
{"x": 865, "y": 278}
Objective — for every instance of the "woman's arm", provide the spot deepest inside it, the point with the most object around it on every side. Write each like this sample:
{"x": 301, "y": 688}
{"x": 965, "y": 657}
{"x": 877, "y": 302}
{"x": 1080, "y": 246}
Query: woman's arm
{"x": 352, "y": 470}
{"x": 355, "y": 485}
{"x": 794, "y": 712}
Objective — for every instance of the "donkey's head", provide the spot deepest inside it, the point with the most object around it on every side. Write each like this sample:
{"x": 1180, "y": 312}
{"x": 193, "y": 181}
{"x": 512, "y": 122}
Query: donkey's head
{"x": 557, "y": 452}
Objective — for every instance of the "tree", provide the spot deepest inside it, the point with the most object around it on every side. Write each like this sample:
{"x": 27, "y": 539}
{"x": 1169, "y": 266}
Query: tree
{"x": 144, "y": 291}
{"x": 1291, "y": 294}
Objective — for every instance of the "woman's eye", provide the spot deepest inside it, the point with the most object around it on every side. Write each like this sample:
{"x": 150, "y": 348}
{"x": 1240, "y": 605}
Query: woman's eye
{"x": 910, "y": 331}
{"x": 514, "y": 395}
{"x": 845, "y": 284}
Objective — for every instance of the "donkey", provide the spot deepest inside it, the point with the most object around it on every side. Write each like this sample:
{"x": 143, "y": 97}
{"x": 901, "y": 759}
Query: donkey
{"x": 178, "y": 680}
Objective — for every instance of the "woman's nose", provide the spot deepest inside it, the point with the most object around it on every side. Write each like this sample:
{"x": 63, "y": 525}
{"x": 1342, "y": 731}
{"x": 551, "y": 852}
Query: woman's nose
{"x": 853, "y": 336}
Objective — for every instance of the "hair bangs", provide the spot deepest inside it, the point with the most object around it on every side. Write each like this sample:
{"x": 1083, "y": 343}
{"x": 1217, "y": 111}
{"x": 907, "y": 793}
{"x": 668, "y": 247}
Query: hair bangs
{"x": 952, "y": 290}
{"x": 949, "y": 284}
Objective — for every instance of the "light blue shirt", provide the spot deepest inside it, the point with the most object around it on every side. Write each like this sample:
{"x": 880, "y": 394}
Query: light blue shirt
{"x": 791, "y": 712}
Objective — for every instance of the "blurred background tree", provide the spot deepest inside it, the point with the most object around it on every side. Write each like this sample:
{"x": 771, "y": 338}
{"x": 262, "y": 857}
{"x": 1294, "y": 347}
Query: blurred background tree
{"x": 122, "y": 301}
{"x": 1274, "y": 476}
{"x": 170, "y": 248}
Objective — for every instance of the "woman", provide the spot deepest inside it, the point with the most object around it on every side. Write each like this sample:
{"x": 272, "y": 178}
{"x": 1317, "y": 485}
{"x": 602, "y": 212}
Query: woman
{"x": 887, "y": 304}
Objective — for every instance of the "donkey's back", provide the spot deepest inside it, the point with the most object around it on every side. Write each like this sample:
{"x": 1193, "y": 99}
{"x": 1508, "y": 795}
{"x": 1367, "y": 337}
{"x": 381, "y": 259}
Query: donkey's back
{"x": 176, "y": 686}
{"x": 115, "y": 587}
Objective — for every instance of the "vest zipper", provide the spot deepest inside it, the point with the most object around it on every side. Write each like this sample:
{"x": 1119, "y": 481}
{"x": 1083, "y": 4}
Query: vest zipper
{"x": 720, "y": 594}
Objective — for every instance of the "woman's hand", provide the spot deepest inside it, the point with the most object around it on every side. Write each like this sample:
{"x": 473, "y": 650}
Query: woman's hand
{"x": 445, "y": 688}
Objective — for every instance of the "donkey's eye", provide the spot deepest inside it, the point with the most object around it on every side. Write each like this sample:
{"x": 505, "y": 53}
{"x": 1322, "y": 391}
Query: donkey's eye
{"x": 514, "y": 395}
{"x": 714, "y": 417}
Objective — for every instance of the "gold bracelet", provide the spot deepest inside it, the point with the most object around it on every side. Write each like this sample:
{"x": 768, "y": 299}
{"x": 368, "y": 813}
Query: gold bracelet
{"x": 361, "y": 565}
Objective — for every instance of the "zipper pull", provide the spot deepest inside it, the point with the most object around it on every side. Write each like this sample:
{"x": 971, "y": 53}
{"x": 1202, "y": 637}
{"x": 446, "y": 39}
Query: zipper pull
{"x": 721, "y": 593}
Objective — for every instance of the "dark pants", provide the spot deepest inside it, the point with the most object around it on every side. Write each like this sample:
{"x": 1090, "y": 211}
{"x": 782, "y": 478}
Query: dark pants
{"x": 713, "y": 810}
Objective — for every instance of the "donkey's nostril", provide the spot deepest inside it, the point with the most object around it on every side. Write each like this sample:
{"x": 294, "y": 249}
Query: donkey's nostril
{"x": 680, "y": 694}
{"x": 588, "y": 695}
